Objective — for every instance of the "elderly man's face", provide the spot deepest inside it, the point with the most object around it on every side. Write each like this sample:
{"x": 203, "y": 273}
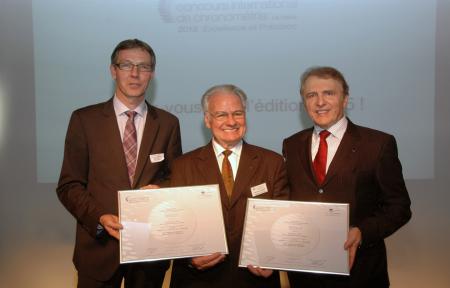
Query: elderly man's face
{"x": 226, "y": 118}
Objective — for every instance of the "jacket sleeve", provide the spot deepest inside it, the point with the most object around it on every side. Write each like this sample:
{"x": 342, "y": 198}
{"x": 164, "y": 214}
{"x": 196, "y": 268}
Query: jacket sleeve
{"x": 393, "y": 202}
{"x": 72, "y": 185}
{"x": 281, "y": 188}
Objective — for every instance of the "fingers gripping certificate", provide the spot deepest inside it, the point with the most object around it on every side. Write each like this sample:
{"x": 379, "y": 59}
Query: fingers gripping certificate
{"x": 171, "y": 223}
{"x": 295, "y": 236}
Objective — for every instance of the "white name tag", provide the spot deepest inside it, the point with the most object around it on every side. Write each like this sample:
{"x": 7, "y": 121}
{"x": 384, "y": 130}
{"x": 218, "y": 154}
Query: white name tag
{"x": 155, "y": 158}
{"x": 259, "y": 189}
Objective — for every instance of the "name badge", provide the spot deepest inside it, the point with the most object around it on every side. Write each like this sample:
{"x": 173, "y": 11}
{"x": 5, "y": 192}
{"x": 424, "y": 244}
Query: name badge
{"x": 259, "y": 189}
{"x": 155, "y": 158}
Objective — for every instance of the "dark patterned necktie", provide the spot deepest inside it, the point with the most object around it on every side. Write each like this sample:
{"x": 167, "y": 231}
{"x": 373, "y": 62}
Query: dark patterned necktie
{"x": 320, "y": 161}
{"x": 130, "y": 144}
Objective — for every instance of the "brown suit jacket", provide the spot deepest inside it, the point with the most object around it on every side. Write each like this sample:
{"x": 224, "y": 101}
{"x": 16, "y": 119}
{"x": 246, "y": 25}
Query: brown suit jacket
{"x": 367, "y": 174}
{"x": 256, "y": 166}
{"x": 94, "y": 169}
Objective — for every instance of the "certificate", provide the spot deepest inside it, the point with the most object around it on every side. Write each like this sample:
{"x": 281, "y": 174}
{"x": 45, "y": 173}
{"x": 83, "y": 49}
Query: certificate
{"x": 170, "y": 223}
{"x": 295, "y": 236}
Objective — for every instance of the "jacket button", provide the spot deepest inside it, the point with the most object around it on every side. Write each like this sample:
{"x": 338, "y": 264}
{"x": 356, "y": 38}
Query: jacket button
{"x": 320, "y": 190}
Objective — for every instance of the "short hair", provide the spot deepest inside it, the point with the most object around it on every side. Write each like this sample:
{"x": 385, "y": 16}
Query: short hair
{"x": 324, "y": 72}
{"x": 132, "y": 44}
{"x": 228, "y": 88}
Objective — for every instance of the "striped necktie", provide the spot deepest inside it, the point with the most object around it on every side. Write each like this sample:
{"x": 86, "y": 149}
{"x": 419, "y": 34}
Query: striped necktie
{"x": 130, "y": 144}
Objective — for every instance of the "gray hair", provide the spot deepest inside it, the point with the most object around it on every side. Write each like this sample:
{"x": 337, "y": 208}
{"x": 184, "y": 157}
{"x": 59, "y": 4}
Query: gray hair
{"x": 228, "y": 88}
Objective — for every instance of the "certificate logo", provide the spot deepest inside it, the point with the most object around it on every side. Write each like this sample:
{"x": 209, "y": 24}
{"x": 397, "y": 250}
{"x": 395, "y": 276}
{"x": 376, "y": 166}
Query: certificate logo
{"x": 137, "y": 199}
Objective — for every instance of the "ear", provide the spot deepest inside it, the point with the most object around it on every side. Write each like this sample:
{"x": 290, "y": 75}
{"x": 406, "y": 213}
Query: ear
{"x": 302, "y": 99}
{"x": 207, "y": 119}
{"x": 152, "y": 74}
{"x": 346, "y": 97}
{"x": 112, "y": 69}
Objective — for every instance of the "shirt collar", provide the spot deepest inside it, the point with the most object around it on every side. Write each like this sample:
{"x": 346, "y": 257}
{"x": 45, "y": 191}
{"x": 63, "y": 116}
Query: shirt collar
{"x": 218, "y": 149}
{"x": 337, "y": 129}
{"x": 120, "y": 108}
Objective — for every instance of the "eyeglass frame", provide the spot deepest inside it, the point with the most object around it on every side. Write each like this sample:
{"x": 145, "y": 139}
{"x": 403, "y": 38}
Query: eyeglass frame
{"x": 141, "y": 67}
{"x": 222, "y": 116}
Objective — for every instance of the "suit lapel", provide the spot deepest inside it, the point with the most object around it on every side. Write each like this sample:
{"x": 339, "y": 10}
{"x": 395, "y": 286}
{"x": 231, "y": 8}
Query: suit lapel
{"x": 303, "y": 155}
{"x": 210, "y": 172}
{"x": 344, "y": 156}
{"x": 113, "y": 139}
{"x": 149, "y": 135}
{"x": 248, "y": 162}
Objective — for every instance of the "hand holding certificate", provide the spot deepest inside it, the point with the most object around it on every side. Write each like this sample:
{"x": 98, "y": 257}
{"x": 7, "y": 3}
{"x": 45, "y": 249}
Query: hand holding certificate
{"x": 295, "y": 236}
{"x": 170, "y": 223}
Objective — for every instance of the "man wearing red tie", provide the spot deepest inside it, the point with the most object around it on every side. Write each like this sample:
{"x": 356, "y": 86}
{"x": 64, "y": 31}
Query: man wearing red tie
{"x": 340, "y": 162}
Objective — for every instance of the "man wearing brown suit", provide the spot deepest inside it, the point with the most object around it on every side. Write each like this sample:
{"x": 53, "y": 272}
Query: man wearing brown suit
{"x": 338, "y": 161}
{"x": 124, "y": 143}
{"x": 256, "y": 172}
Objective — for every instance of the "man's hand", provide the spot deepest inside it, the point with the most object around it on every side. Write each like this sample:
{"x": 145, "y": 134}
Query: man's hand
{"x": 353, "y": 241}
{"x": 111, "y": 224}
{"x": 205, "y": 262}
{"x": 261, "y": 272}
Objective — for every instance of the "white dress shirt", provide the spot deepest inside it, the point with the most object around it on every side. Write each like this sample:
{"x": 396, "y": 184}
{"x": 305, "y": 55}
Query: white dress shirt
{"x": 122, "y": 118}
{"x": 234, "y": 157}
{"x": 337, "y": 132}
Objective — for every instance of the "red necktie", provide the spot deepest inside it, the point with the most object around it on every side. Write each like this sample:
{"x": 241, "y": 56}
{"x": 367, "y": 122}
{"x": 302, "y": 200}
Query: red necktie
{"x": 130, "y": 144}
{"x": 320, "y": 162}
{"x": 227, "y": 173}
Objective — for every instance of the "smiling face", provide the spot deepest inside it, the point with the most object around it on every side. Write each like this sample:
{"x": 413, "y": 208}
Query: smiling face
{"x": 131, "y": 85}
{"x": 324, "y": 100}
{"x": 226, "y": 118}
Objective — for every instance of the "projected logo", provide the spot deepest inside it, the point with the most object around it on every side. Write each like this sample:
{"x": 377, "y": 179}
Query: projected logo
{"x": 223, "y": 16}
{"x": 164, "y": 8}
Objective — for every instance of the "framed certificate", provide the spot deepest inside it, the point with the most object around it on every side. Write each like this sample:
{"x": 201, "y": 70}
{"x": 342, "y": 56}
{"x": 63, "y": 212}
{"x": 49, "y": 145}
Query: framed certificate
{"x": 295, "y": 236}
{"x": 170, "y": 223}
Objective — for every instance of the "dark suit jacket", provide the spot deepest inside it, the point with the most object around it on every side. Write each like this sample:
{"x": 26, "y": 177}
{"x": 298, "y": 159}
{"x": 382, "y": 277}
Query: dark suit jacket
{"x": 256, "y": 166}
{"x": 94, "y": 169}
{"x": 367, "y": 174}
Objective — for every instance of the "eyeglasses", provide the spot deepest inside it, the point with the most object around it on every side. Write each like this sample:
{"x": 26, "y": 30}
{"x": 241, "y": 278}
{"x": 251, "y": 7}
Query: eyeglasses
{"x": 222, "y": 116}
{"x": 128, "y": 66}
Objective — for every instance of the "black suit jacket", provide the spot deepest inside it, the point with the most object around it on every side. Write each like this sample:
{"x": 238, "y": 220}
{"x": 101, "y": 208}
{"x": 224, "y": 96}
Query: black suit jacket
{"x": 367, "y": 174}
{"x": 94, "y": 169}
{"x": 256, "y": 166}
